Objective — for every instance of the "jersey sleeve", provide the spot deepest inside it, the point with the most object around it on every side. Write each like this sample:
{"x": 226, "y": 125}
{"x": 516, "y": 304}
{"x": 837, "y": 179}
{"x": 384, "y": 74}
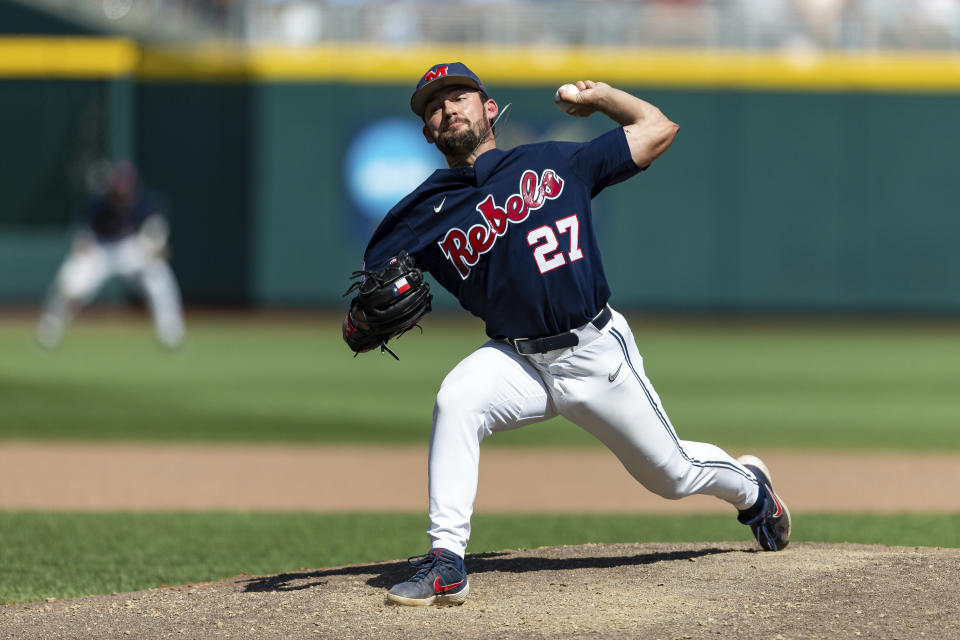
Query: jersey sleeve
{"x": 392, "y": 236}
{"x": 603, "y": 161}
{"x": 89, "y": 211}
{"x": 148, "y": 203}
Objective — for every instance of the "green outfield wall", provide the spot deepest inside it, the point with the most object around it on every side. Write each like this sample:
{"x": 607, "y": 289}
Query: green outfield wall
{"x": 825, "y": 183}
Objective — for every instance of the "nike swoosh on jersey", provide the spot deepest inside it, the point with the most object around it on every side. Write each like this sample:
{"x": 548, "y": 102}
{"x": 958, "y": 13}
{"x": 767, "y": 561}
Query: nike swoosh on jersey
{"x": 437, "y": 208}
{"x": 613, "y": 376}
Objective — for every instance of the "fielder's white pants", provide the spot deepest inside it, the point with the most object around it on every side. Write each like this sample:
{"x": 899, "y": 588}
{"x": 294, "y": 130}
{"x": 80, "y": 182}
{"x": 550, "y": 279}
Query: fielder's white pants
{"x": 84, "y": 272}
{"x": 495, "y": 389}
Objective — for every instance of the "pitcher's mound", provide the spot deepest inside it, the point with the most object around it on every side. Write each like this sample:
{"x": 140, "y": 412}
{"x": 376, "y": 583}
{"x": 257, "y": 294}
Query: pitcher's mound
{"x": 693, "y": 590}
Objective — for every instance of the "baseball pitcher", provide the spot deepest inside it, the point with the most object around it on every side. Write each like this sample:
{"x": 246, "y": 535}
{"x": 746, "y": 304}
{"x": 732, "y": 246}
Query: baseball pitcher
{"x": 511, "y": 235}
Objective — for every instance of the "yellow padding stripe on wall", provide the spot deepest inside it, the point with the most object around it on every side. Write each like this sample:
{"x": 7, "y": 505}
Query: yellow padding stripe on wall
{"x": 363, "y": 64}
{"x": 639, "y": 67}
{"x": 67, "y": 57}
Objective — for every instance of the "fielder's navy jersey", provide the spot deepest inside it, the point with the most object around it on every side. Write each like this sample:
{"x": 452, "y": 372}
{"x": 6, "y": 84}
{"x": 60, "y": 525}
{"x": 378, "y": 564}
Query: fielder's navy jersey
{"x": 110, "y": 221}
{"x": 512, "y": 237}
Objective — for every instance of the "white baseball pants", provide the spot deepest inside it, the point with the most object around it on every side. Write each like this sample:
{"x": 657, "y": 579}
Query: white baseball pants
{"x": 599, "y": 385}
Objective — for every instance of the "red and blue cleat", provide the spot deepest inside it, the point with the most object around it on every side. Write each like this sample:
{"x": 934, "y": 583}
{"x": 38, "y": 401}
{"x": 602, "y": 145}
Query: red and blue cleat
{"x": 441, "y": 579}
{"x": 769, "y": 519}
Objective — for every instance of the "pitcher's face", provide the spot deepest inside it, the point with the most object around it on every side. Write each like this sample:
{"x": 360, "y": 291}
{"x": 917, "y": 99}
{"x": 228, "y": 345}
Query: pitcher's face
{"x": 457, "y": 120}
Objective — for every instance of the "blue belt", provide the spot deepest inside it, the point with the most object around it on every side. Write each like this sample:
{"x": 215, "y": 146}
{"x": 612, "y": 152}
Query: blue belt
{"x": 565, "y": 340}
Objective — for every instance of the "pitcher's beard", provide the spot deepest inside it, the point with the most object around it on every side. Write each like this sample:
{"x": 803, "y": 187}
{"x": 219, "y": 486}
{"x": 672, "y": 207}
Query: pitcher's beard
{"x": 460, "y": 144}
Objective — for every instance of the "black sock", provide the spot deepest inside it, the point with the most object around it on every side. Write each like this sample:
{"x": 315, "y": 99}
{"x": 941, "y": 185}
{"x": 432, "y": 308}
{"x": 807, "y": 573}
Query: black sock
{"x": 752, "y": 512}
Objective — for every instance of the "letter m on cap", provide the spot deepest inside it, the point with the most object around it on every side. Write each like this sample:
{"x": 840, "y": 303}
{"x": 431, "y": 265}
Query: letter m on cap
{"x": 433, "y": 74}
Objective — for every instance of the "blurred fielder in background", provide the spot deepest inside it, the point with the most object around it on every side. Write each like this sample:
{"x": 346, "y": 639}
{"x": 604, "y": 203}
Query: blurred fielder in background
{"x": 122, "y": 232}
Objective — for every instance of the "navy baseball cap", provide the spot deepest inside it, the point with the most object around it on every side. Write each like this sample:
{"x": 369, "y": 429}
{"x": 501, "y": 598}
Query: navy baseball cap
{"x": 445, "y": 74}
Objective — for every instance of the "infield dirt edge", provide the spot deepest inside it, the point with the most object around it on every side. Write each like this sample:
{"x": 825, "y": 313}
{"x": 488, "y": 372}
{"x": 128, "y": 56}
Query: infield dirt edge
{"x": 651, "y": 590}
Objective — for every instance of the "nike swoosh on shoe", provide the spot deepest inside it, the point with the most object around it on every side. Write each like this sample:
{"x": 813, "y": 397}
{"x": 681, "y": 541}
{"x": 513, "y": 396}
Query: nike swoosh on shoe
{"x": 443, "y": 588}
{"x": 776, "y": 501}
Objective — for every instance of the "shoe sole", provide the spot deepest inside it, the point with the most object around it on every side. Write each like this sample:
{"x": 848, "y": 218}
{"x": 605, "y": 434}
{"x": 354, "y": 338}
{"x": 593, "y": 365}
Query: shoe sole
{"x": 440, "y": 600}
{"x": 758, "y": 463}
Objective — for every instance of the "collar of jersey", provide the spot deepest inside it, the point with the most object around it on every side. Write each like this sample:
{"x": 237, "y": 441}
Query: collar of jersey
{"x": 443, "y": 179}
{"x": 486, "y": 163}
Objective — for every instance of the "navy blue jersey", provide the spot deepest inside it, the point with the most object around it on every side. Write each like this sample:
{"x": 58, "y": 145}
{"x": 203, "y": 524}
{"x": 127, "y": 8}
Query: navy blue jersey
{"x": 512, "y": 237}
{"x": 111, "y": 221}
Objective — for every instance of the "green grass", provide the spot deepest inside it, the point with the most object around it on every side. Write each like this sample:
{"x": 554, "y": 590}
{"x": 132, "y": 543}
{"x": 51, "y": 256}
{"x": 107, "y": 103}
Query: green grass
{"x": 826, "y": 385}
{"x": 799, "y": 385}
{"x": 62, "y": 555}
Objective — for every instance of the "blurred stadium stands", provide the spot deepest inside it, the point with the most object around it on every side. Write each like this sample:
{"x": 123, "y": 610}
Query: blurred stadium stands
{"x": 744, "y": 24}
{"x": 816, "y": 170}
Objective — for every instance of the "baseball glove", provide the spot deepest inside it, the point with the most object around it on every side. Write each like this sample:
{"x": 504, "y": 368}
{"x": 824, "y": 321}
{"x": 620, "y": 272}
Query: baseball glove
{"x": 389, "y": 302}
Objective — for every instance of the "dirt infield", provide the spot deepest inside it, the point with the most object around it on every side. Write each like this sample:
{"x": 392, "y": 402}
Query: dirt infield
{"x": 84, "y": 476}
{"x": 716, "y": 590}
{"x": 665, "y": 591}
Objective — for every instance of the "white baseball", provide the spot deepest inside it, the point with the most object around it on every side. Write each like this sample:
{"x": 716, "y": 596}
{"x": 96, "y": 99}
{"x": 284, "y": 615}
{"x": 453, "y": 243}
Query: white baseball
{"x": 566, "y": 92}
